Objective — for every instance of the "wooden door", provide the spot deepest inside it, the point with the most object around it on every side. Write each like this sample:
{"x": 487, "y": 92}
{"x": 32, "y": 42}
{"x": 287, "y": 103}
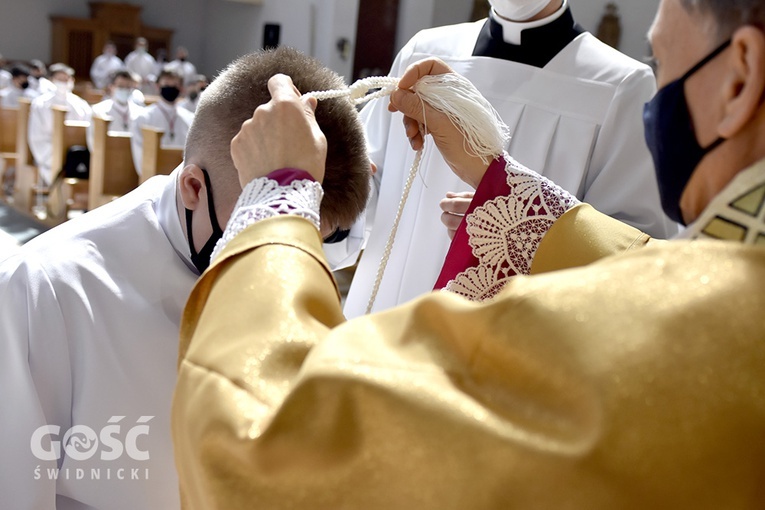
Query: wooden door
{"x": 375, "y": 38}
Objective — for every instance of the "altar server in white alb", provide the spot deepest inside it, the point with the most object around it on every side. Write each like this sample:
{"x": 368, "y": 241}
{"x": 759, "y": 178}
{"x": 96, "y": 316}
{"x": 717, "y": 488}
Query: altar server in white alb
{"x": 165, "y": 114}
{"x": 119, "y": 106}
{"x": 5, "y": 76}
{"x": 90, "y": 310}
{"x": 104, "y": 65}
{"x": 19, "y": 87}
{"x": 41, "y": 117}
{"x": 140, "y": 62}
{"x": 37, "y": 78}
{"x": 182, "y": 66}
{"x": 574, "y": 107}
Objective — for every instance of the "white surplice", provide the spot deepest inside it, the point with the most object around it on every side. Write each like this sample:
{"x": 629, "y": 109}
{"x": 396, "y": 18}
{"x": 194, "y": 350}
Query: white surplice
{"x": 41, "y": 126}
{"x": 9, "y": 96}
{"x": 89, "y": 333}
{"x": 174, "y": 120}
{"x": 102, "y": 68}
{"x": 141, "y": 63}
{"x": 578, "y": 121}
{"x": 5, "y": 79}
{"x": 122, "y": 116}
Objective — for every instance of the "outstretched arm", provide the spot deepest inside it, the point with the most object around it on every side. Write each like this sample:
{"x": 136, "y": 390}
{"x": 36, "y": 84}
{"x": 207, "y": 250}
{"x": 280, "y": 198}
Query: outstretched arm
{"x": 556, "y": 394}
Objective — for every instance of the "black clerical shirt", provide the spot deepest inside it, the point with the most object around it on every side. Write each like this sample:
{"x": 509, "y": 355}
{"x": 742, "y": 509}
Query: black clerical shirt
{"x": 538, "y": 45}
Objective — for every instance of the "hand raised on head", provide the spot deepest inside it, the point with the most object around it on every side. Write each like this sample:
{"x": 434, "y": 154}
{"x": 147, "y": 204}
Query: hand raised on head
{"x": 282, "y": 133}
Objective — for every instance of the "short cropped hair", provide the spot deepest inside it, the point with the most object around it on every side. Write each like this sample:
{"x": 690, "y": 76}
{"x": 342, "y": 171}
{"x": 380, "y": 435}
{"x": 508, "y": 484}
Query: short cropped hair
{"x": 19, "y": 70}
{"x": 120, "y": 73}
{"x": 38, "y": 64}
{"x": 60, "y": 68}
{"x": 234, "y": 95}
{"x": 169, "y": 72}
{"x": 730, "y": 14}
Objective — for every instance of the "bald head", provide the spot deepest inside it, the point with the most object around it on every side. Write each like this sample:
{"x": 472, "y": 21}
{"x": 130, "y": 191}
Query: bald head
{"x": 243, "y": 86}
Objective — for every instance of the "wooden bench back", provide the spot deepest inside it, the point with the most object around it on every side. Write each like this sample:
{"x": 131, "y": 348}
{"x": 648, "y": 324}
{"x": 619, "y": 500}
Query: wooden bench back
{"x": 156, "y": 159}
{"x": 112, "y": 172}
{"x": 9, "y": 118}
{"x": 66, "y": 133}
{"x": 26, "y": 171}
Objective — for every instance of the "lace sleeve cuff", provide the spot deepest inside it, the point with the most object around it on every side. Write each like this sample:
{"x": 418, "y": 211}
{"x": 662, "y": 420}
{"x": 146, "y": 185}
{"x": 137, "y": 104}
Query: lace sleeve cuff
{"x": 281, "y": 192}
{"x": 512, "y": 211}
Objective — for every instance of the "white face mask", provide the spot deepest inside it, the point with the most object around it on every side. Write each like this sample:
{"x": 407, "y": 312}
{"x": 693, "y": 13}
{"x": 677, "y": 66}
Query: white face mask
{"x": 518, "y": 10}
{"x": 122, "y": 95}
{"x": 62, "y": 87}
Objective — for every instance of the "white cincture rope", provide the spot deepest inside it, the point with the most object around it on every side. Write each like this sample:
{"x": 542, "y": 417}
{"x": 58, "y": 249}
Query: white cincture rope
{"x": 392, "y": 236}
{"x": 451, "y": 94}
{"x": 358, "y": 92}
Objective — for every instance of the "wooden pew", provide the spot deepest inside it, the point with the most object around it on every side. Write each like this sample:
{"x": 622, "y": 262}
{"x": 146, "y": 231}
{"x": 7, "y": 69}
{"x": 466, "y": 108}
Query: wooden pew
{"x": 26, "y": 171}
{"x": 157, "y": 160}
{"x": 8, "y": 130}
{"x": 112, "y": 173}
{"x": 88, "y": 92}
{"x": 66, "y": 133}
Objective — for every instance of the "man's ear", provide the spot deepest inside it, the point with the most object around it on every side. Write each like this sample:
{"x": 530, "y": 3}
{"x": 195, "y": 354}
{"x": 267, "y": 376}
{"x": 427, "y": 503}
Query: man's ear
{"x": 191, "y": 183}
{"x": 744, "y": 86}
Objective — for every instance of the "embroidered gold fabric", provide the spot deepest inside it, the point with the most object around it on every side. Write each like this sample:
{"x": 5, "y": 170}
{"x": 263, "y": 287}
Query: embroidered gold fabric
{"x": 635, "y": 382}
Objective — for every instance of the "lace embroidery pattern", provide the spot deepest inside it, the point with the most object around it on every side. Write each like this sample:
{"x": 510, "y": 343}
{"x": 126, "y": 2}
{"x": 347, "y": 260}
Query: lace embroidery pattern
{"x": 264, "y": 198}
{"x": 505, "y": 232}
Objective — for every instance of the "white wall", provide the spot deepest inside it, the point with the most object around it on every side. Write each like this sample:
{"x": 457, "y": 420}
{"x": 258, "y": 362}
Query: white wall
{"x": 636, "y": 18}
{"x": 313, "y": 26}
{"x": 416, "y": 15}
{"x": 218, "y": 31}
{"x": 25, "y": 25}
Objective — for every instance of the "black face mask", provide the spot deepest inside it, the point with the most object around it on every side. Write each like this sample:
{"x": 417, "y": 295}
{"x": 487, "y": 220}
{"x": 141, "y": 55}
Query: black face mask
{"x": 201, "y": 260}
{"x": 25, "y": 85}
{"x": 672, "y": 141}
{"x": 170, "y": 94}
{"x": 338, "y": 236}
{"x": 193, "y": 95}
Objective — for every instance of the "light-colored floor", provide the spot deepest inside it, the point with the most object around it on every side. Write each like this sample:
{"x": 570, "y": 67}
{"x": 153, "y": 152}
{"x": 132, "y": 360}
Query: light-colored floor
{"x": 16, "y": 229}
{"x": 8, "y": 245}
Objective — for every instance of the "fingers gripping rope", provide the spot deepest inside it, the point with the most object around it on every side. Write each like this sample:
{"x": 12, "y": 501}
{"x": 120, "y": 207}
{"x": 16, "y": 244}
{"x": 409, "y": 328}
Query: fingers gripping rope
{"x": 451, "y": 94}
{"x": 358, "y": 92}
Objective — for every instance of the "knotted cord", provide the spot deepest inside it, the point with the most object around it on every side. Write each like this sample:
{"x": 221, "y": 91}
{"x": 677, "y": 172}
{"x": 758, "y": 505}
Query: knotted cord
{"x": 485, "y": 135}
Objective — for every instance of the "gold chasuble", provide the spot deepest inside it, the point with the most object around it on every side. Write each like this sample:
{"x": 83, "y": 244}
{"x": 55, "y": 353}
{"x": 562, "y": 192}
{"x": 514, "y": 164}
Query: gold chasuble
{"x": 637, "y": 381}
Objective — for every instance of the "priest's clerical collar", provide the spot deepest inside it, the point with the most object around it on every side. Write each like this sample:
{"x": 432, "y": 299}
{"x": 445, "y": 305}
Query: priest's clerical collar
{"x": 533, "y": 43}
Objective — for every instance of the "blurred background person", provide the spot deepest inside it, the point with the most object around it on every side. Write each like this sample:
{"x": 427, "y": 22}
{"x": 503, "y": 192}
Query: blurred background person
{"x": 104, "y": 65}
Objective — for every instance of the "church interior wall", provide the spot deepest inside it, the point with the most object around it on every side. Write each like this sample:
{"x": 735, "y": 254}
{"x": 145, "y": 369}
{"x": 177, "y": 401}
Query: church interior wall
{"x": 217, "y": 31}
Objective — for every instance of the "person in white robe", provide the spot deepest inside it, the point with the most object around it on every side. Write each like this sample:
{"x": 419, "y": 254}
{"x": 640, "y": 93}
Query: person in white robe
{"x": 38, "y": 80}
{"x": 41, "y": 117}
{"x": 574, "y": 107}
{"x": 5, "y": 76}
{"x": 19, "y": 87}
{"x": 119, "y": 106}
{"x": 166, "y": 115}
{"x": 182, "y": 66}
{"x": 104, "y": 65}
{"x": 193, "y": 93}
{"x": 91, "y": 309}
{"x": 140, "y": 62}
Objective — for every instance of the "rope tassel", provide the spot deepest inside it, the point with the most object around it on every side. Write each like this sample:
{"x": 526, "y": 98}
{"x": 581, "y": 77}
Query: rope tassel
{"x": 485, "y": 134}
{"x": 453, "y": 95}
